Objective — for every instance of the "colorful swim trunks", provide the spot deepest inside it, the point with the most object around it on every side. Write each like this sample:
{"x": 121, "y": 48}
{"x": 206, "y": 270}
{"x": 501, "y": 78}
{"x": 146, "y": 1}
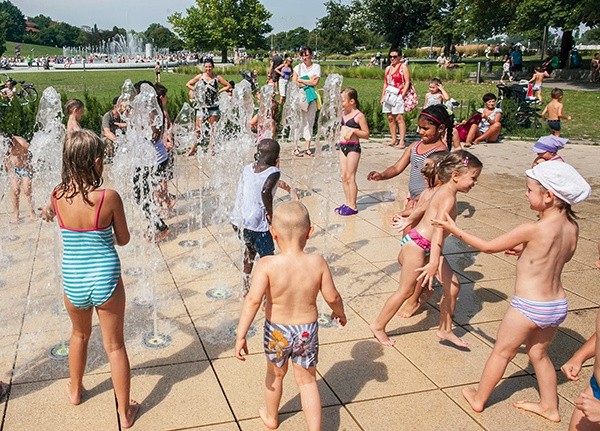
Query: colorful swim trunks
{"x": 300, "y": 343}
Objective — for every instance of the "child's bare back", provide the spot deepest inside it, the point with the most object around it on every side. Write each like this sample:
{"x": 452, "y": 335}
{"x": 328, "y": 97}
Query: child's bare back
{"x": 553, "y": 110}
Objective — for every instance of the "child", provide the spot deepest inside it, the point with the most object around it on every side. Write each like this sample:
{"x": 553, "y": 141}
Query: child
{"x": 20, "y": 172}
{"x": 547, "y": 148}
{"x": 537, "y": 80}
{"x": 436, "y": 95}
{"x": 354, "y": 128}
{"x": 434, "y": 123}
{"x": 554, "y": 111}
{"x": 157, "y": 71}
{"x": 92, "y": 220}
{"x": 539, "y": 304}
{"x": 421, "y": 249}
{"x": 290, "y": 282}
{"x": 506, "y": 69}
{"x": 285, "y": 71}
{"x": 253, "y": 209}
{"x": 74, "y": 109}
{"x": 489, "y": 126}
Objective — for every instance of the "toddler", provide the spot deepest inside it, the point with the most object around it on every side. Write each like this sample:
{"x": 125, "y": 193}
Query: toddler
{"x": 20, "y": 172}
{"x": 436, "y": 94}
{"x": 74, "y": 109}
{"x": 553, "y": 111}
{"x": 547, "y": 148}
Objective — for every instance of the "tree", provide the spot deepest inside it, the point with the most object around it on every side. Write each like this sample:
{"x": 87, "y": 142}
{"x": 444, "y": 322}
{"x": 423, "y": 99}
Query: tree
{"x": 15, "y": 27}
{"x": 162, "y": 37}
{"x": 291, "y": 40}
{"x": 3, "y": 24}
{"x": 590, "y": 37}
{"x": 223, "y": 24}
{"x": 398, "y": 21}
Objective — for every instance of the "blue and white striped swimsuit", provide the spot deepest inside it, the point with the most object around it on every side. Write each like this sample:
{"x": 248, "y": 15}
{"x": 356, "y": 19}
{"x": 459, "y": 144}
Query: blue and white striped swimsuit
{"x": 416, "y": 183}
{"x": 90, "y": 266}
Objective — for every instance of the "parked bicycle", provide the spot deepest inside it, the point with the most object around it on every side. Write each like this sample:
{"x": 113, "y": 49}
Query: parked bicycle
{"x": 19, "y": 91}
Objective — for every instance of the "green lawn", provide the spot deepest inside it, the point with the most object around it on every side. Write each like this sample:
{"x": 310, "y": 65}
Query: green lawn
{"x": 105, "y": 85}
{"x": 26, "y": 49}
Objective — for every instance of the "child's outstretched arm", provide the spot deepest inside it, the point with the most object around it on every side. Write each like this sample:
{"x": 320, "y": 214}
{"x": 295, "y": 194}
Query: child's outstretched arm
{"x": 331, "y": 295}
{"x": 260, "y": 283}
{"x": 396, "y": 169}
{"x": 572, "y": 367}
{"x": 510, "y": 240}
{"x": 267, "y": 193}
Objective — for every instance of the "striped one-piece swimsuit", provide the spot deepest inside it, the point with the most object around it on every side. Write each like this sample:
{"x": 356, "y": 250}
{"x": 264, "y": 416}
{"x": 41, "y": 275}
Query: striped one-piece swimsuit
{"x": 416, "y": 183}
{"x": 90, "y": 266}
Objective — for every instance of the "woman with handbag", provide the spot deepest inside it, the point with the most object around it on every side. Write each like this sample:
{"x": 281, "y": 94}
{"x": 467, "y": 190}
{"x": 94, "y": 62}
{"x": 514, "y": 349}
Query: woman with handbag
{"x": 396, "y": 85}
{"x": 307, "y": 75}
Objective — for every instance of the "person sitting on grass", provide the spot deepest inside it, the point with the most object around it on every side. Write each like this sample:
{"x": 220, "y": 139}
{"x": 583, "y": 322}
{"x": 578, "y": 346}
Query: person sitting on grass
{"x": 489, "y": 127}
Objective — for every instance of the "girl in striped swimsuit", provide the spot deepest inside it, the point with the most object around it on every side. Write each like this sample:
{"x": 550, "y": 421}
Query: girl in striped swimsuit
{"x": 91, "y": 221}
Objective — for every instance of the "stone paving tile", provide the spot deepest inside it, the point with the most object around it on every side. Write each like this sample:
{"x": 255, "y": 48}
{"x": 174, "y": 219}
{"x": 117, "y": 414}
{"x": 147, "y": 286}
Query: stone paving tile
{"x": 430, "y": 410}
{"x": 334, "y": 418}
{"x": 500, "y": 415}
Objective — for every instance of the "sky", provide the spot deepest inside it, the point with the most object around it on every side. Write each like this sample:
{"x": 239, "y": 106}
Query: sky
{"x": 139, "y": 14}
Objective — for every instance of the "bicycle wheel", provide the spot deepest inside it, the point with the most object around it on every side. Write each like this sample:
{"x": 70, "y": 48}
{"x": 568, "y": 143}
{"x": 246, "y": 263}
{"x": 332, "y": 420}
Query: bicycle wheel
{"x": 29, "y": 95}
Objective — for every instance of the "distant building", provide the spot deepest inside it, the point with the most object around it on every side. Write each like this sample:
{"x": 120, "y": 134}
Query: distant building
{"x": 86, "y": 28}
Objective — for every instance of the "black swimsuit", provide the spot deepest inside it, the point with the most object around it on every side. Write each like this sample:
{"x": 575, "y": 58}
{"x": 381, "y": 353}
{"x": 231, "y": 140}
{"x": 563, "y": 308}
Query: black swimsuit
{"x": 354, "y": 146}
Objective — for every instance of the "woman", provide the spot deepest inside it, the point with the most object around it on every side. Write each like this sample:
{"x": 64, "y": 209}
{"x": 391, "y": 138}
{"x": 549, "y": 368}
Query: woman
{"x": 209, "y": 107}
{"x": 396, "y": 84}
{"x": 489, "y": 126}
{"x": 307, "y": 75}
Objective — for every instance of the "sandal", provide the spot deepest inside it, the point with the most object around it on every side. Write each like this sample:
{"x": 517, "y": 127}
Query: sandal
{"x": 298, "y": 153}
{"x": 347, "y": 211}
{"x": 338, "y": 209}
{"x": 309, "y": 152}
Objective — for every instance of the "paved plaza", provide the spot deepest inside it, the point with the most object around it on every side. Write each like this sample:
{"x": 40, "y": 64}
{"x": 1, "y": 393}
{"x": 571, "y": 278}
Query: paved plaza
{"x": 196, "y": 383}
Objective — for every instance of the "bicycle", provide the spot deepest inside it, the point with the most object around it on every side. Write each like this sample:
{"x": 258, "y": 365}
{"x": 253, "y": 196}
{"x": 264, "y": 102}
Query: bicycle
{"x": 12, "y": 89}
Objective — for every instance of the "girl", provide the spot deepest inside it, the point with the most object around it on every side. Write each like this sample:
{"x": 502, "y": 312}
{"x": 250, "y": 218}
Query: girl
{"x": 74, "y": 109}
{"x": 91, "y": 221}
{"x": 539, "y": 305}
{"x": 395, "y": 86}
{"x": 436, "y": 94}
{"x": 307, "y": 75}
{"x": 457, "y": 172}
{"x": 434, "y": 124}
{"x": 489, "y": 126}
{"x": 209, "y": 107}
{"x": 506, "y": 69}
{"x": 285, "y": 72}
{"x": 354, "y": 127}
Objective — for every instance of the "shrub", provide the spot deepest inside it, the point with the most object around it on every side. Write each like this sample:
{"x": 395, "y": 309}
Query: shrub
{"x": 19, "y": 120}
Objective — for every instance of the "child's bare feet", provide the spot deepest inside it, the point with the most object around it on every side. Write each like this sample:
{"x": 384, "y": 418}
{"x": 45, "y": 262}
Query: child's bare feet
{"x": 469, "y": 395}
{"x": 453, "y": 338}
{"x": 14, "y": 220}
{"x": 551, "y": 415}
{"x": 598, "y": 264}
{"x": 131, "y": 415}
{"x": 382, "y": 337}
{"x": 269, "y": 423}
{"x": 409, "y": 309}
{"x": 74, "y": 395}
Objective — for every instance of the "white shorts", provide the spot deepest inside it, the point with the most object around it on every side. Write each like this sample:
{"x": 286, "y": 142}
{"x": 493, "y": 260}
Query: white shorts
{"x": 395, "y": 109}
{"x": 283, "y": 83}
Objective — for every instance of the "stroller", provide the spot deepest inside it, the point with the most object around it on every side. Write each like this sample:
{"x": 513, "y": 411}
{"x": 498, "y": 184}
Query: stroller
{"x": 528, "y": 110}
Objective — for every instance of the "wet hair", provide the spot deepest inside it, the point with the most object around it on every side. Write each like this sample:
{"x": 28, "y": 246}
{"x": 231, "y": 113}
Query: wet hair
{"x": 438, "y": 115}
{"x": 430, "y": 171}
{"x": 437, "y": 81}
{"x": 457, "y": 161}
{"x": 556, "y": 93}
{"x": 138, "y": 85}
{"x": 267, "y": 151}
{"x": 291, "y": 219}
{"x": 115, "y": 100}
{"x": 81, "y": 149}
{"x": 352, "y": 95}
{"x": 489, "y": 96}
{"x": 306, "y": 50}
{"x": 161, "y": 90}
{"x": 73, "y": 105}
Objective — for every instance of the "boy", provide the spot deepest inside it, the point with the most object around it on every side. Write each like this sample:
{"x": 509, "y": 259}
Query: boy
{"x": 554, "y": 111}
{"x": 20, "y": 172}
{"x": 253, "y": 208}
{"x": 291, "y": 282}
{"x": 539, "y": 305}
{"x": 547, "y": 148}
{"x": 537, "y": 80}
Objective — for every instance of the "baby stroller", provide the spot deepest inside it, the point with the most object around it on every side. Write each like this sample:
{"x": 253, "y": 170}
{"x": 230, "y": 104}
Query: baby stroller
{"x": 528, "y": 110}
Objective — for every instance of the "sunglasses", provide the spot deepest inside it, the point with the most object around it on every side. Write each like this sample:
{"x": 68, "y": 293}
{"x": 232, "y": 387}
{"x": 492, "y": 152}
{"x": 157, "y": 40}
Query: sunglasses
{"x": 393, "y": 56}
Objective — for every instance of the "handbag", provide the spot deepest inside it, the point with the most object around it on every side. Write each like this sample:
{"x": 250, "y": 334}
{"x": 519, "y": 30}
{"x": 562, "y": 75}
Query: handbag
{"x": 411, "y": 100}
{"x": 391, "y": 95}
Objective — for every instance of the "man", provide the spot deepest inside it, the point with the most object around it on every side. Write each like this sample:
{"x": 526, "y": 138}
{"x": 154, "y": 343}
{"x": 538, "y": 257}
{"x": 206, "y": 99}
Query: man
{"x": 517, "y": 60}
{"x": 111, "y": 122}
{"x": 276, "y": 61}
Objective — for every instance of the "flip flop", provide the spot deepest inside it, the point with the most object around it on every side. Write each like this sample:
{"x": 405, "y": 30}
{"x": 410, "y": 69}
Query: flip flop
{"x": 297, "y": 153}
{"x": 338, "y": 209}
{"x": 347, "y": 211}
{"x": 309, "y": 153}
